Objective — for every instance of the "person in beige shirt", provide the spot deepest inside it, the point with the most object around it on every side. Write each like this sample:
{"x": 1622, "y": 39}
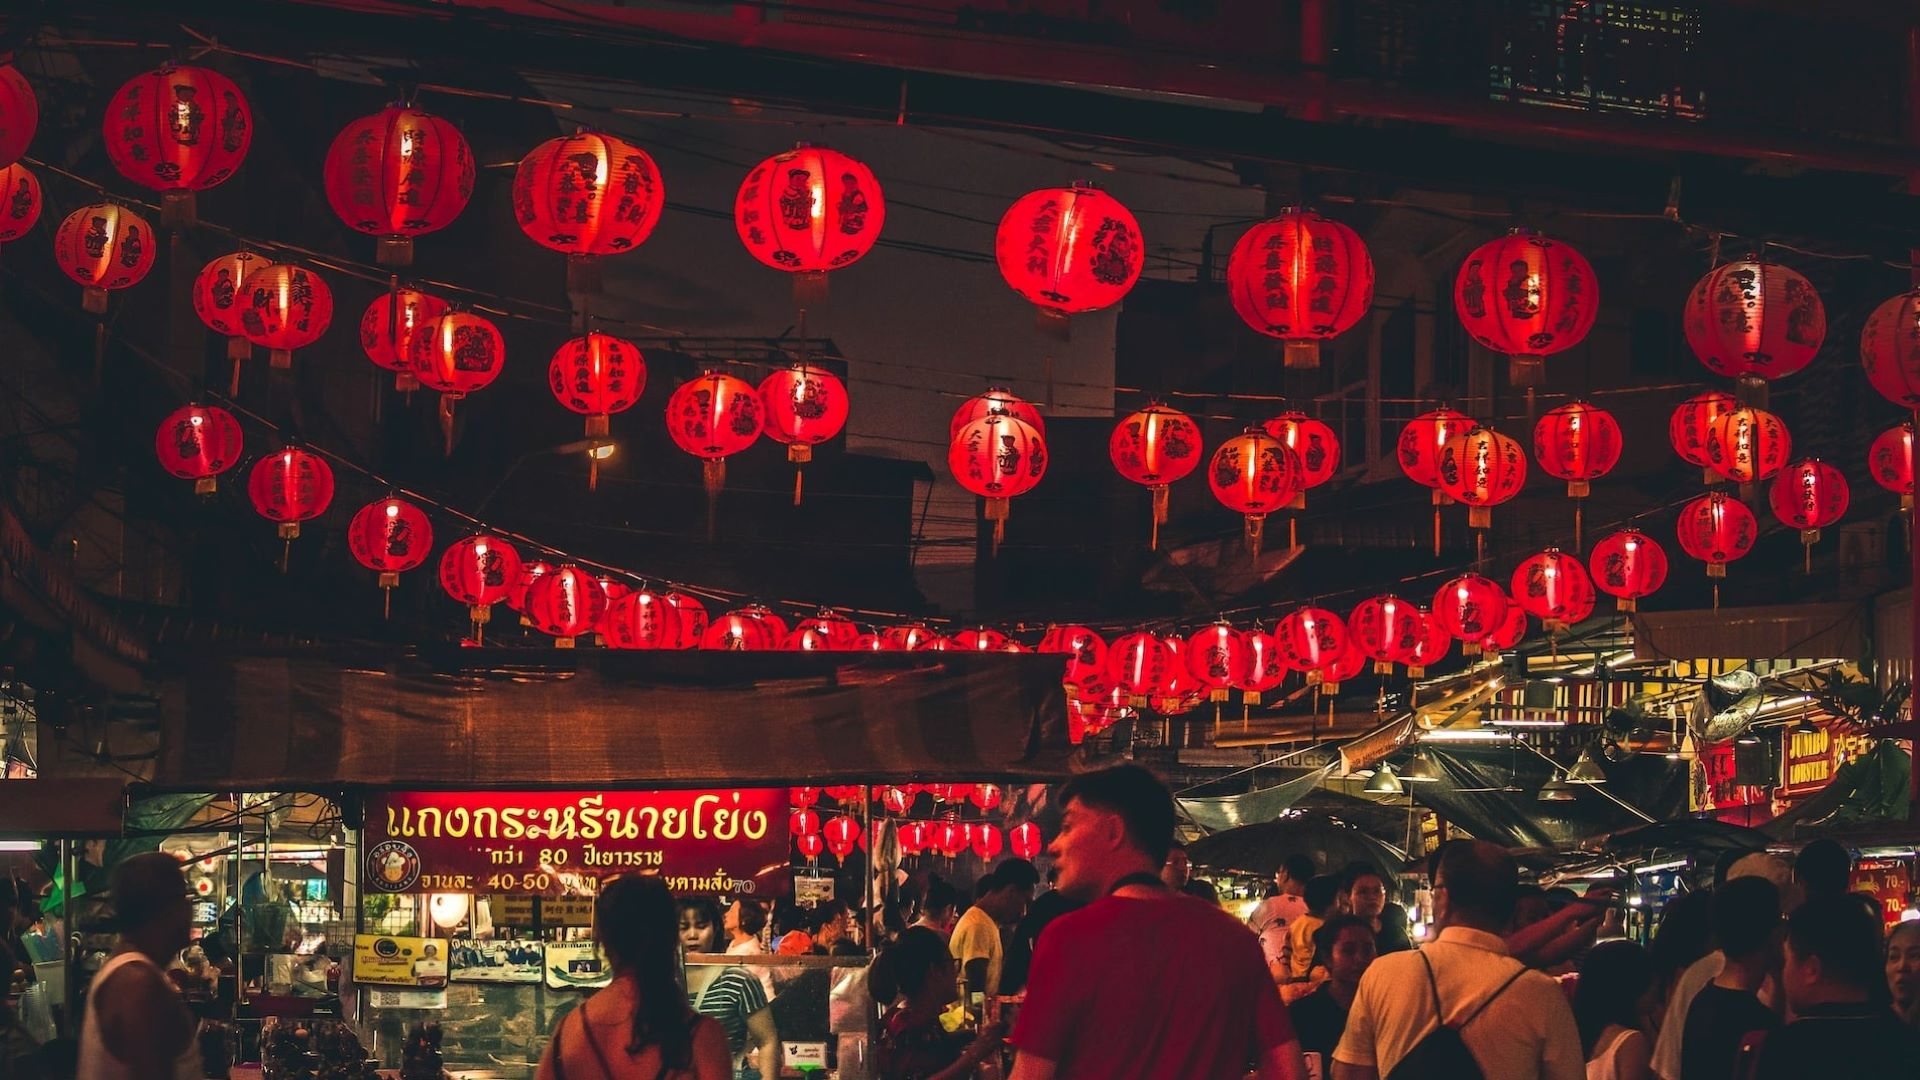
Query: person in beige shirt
{"x": 1515, "y": 1022}
{"x": 976, "y": 937}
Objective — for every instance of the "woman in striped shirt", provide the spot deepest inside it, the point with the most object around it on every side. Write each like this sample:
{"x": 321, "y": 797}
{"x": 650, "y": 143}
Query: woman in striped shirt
{"x": 732, "y": 995}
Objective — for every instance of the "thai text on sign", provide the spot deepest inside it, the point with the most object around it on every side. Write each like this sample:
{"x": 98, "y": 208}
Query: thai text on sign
{"x": 558, "y": 843}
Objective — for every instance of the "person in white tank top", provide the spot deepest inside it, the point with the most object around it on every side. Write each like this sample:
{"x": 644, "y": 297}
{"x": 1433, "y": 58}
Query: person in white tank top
{"x": 137, "y": 1027}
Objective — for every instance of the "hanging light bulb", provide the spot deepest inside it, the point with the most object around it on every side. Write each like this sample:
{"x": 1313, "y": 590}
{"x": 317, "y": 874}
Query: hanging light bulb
{"x": 1586, "y": 769}
{"x": 1424, "y": 769}
{"x": 1558, "y": 789}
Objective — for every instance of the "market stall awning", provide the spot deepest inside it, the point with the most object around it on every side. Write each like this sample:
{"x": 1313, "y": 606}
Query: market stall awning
{"x": 366, "y": 715}
{"x": 1332, "y": 844}
{"x": 1214, "y": 813}
{"x": 1492, "y": 792}
{"x": 42, "y": 808}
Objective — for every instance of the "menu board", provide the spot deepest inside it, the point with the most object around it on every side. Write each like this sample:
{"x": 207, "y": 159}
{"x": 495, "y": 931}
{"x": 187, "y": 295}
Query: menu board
{"x": 576, "y": 965}
{"x": 563, "y": 843}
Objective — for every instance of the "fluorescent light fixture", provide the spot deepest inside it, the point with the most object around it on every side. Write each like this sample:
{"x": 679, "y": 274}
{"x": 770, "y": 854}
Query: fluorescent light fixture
{"x": 1467, "y": 735}
{"x": 19, "y": 845}
{"x": 1528, "y": 723}
{"x": 1654, "y": 868}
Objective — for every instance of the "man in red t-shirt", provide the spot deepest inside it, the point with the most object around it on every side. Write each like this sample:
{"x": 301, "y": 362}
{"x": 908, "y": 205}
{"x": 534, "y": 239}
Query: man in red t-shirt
{"x": 1143, "y": 983}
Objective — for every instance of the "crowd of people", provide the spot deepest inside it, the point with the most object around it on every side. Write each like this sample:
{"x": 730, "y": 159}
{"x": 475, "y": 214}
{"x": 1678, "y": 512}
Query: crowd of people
{"x": 1125, "y": 971}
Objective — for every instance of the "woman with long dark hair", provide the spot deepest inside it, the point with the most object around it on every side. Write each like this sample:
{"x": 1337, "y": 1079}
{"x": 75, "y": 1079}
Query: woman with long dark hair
{"x": 913, "y": 1045}
{"x": 1610, "y": 1006}
{"x": 640, "y": 1026}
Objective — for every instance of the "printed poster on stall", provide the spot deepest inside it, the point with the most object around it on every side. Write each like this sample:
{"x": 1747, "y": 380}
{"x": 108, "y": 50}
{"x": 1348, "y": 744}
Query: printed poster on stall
{"x": 576, "y": 965}
{"x": 563, "y": 843}
{"x": 497, "y": 961}
{"x": 392, "y": 960}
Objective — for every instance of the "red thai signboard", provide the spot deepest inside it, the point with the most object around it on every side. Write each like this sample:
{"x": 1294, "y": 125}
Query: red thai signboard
{"x": 1885, "y": 882}
{"x": 557, "y": 843}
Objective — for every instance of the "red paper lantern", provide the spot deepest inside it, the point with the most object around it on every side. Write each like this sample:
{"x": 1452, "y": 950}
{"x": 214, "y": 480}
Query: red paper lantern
{"x": 1155, "y": 447}
{"x": 1345, "y": 668}
{"x": 912, "y": 637}
{"x": 827, "y": 630}
{"x": 1420, "y": 443}
{"x": 1691, "y": 427}
{"x": 1890, "y": 460}
{"x": 804, "y": 406}
{"x": 479, "y": 571}
{"x": 714, "y": 416}
{"x": 1024, "y": 839}
{"x": 390, "y": 536}
{"x": 952, "y": 837}
{"x": 1809, "y": 495}
{"x": 1578, "y": 443}
{"x": 596, "y": 376}
{"x": 219, "y": 301}
{"x": 986, "y": 840}
{"x": 103, "y": 247}
{"x": 19, "y": 198}
{"x": 178, "y": 129}
{"x": 1069, "y": 250}
{"x": 1311, "y": 638}
{"x": 458, "y": 353}
{"x": 810, "y": 845}
{"x": 896, "y": 800}
{"x": 587, "y": 195}
{"x": 1526, "y": 296}
{"x": 564, "y": 603}
{"x": 198, "y": 443}
{"x": 1218, "y": 657}
{"x": 1301, "y": 278}
{"x": 290, "y": 487}
{"x": 531, "y": 570}
{"x": 1085, "y": 650}
{"x": 19, "y": 114}
{"x": 1482, "y": 468}
{"x": 693, "y": 620}
{"x": 1430, "y": 644}
{"x": 807, "y": 211}
{"x": 398, "y": 174}
{"x": 1553, "y": 587}
{"x": 1717, "y": 529}
{"x": 1314, "y": 443}
{"x": 985, "y": 796}
{"x": 933, "y": 643}
{"x": 283, "y": 308}
{"x": 997, "y": 458}
{"x": 1254, "y": 474}
{"x": 1470, "y": 607}
{"x": 1890, "y": 349}
{"x": 1141, "y": 663}
{"x": 1754, "y": 320}
{"x": 1266, "y": 666}
{"x": 1628, "y": 565}
{"x": 748, "y": 629}
{"x": 1511, "y": 631}
{"x": 982, "y": 639}
{"x": 613, "y": 589}
{"x": 915, "y": 837}
{"x": 389, "y": 326}
{"x": 1387, "y": 629}
{"x": 803, "y": 823}
{"x": 1748, "y": 445}
{"x": 997, "y": 401}
{"x": 803, "y": 797}
{"x": 643, "y": 619}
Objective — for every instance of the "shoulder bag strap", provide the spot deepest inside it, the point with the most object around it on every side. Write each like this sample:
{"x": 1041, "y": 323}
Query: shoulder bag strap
{"x": 1139, "y": 877}
{"x": 1433, "y": 987}
{"x": 1475, "y": 1015}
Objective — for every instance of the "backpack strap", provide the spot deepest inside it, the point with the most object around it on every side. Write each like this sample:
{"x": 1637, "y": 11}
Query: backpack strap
{"x": 1475, "y": 1015}
{"x": 1433, "y": 987}
{"x": 593, "y": 1044}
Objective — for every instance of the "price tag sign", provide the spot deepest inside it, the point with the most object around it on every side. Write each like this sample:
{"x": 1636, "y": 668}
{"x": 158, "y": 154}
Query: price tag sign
{"x": 805, "y": 1056}
{"x": 812, "y": 888}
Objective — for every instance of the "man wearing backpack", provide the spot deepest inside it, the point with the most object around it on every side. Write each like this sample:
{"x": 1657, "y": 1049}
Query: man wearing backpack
{"x": 1461, "y": 1008}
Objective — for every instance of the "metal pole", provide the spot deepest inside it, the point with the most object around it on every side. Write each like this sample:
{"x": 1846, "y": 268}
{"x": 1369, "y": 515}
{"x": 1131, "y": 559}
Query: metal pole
{"x": 1913, "y": 584}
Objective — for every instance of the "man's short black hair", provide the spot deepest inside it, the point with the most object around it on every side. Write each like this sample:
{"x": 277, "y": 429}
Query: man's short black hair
{"x": 1299, "y": 867}
{"x": 753, "y": 916}
{"x": 1845, "y": 934}
{"x": 1745, "y": 912}
{"x": 940, "y": 897}
{"x": 1018, "y": 872}
{"x": 1322, "y": 891}
{"x": 1822, "y": 867}
{"x": 1482, "y": 880}
{"x": 1143, "y": 803}
{"x": 144, "y": 886}
{"x": 988, "y": 882}
{"x": 1328, "y": 932}
{"x": 1355, "y": 871}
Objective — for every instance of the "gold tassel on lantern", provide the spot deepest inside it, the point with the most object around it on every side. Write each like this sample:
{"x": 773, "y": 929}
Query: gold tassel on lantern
{"x": 388, "y": 582}
{"x": 1256, "y": 526}
{"x": 809, "y": 289}
{"x": 1160, "y": 493}
{"x": 799, "y": 454}
{"x": 1053, "y": 324}
{"x": 480, "y": 614}
{"x": 446, "y": 422}
{"x": 996, "y": 512}
{"x": 1301, "y": 355}
{"x": 714, "y": 472}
